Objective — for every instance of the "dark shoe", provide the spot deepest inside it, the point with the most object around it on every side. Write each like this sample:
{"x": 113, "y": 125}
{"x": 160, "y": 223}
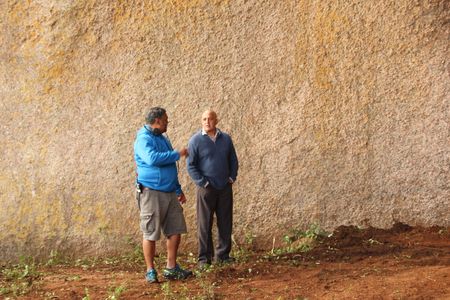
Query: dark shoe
{"x": 228, "y": 260}
{"x": 151, "y": 276}
{"x": 176, "y": 273}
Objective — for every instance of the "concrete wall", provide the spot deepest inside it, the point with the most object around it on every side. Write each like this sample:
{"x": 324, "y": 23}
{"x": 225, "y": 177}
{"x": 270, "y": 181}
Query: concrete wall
{"x": 339, "y": 111}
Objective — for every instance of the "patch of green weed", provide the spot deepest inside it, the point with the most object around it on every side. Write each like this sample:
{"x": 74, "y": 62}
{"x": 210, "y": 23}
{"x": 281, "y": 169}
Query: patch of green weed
{"x": 18, "y": 279}
{"x": 114, "y": 293}
{"x": 167, "y": 291}
{"x": 207, "y": 290}
{"x": 242, "y": 252}
{"x": 55, "y": 258}
{"x": 86, "y": 294}
{"x": 300, "y": 240}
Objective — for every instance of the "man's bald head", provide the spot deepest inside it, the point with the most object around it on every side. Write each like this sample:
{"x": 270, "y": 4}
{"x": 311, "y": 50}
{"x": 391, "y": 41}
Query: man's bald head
{"x": 210, "y": 113}
{"x": 209, "y": 121}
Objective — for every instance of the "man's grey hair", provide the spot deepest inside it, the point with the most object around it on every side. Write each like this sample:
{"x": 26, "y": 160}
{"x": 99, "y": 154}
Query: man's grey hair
{"x": 154, "y": 113}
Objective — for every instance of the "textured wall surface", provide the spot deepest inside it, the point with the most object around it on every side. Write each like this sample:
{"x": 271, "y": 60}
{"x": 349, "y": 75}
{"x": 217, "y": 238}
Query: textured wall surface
{"x": 339, "y": 111}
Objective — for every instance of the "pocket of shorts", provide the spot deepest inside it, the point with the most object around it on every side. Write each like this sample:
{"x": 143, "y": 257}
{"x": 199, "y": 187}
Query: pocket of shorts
{"x": 147, "y": 223}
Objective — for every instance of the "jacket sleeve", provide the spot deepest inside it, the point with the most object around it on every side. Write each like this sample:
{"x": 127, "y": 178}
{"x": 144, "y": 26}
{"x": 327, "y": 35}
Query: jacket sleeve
{"x": 192, "y": 164}
{"x": 233, "y": 162}
{"x": 147, "y": 151}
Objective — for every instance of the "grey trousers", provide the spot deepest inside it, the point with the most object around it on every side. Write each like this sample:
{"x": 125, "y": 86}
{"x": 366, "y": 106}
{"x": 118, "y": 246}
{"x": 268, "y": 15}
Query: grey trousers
{"x": 212, "y": 201}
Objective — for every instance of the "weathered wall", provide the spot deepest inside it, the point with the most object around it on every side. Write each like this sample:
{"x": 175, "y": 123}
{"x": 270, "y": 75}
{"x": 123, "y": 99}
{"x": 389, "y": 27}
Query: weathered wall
{"x": 339, "y": 111}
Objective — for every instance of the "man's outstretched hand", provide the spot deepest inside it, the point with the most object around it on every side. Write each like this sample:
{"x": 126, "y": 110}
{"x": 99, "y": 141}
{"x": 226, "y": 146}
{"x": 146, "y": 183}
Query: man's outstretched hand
{"x": 183, "y": 152}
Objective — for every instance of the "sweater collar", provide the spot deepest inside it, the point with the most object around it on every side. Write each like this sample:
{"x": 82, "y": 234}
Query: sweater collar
{"x": 218, "y": 132}
{"x": 213, "y": 138}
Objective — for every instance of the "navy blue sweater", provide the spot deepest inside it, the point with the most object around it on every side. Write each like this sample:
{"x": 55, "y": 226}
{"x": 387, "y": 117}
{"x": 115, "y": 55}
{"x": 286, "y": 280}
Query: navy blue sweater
{"x": 213, "y": 162}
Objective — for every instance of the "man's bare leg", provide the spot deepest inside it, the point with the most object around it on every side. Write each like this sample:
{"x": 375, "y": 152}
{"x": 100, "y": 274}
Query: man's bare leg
{"x": 173, "y": 242}
{"x": 149, "y": 249}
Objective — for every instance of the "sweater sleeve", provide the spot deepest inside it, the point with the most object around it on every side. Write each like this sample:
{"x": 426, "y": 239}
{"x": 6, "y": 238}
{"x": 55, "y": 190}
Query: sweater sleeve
{"x": 192, "y": 164}
{"x": 146, "y": 149}
{"x": 233, "y": 162}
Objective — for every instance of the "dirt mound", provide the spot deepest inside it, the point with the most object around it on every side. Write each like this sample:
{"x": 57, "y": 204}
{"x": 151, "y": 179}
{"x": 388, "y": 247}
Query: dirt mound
{"x": 350, "y": 243}
{"x": 346, "y": 236}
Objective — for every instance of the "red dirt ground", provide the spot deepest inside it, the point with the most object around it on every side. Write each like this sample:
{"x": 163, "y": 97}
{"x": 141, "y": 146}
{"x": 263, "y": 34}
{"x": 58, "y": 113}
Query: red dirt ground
{"x": 400, "y": 263}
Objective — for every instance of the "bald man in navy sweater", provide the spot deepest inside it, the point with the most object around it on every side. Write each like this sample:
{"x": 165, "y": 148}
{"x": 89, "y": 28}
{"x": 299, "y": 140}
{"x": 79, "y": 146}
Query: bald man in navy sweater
{"x": 213, "y": 165}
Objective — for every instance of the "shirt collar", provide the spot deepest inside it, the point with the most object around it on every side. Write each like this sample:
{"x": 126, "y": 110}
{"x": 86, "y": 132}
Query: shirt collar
{"x": 217, "y": 132}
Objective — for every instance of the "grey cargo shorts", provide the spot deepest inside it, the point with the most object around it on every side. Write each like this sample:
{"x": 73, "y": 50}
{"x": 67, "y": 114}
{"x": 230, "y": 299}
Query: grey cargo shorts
{"x": 160, "y": 211}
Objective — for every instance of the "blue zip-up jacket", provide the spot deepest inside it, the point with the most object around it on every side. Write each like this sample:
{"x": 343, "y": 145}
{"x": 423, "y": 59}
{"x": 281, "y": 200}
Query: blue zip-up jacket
{"x": 213, "y": 162}
{"x": 156, "y": 162}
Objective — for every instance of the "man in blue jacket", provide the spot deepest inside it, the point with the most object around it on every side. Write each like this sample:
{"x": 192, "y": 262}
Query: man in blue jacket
{"x": 159, "y": 194}
{"x": 213, "y": 166}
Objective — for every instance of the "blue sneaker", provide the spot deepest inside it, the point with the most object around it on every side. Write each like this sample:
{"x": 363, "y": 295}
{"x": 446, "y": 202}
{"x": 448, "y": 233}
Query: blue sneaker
{"x": 151, "y": 276}
{"x": 176, "y": 273}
